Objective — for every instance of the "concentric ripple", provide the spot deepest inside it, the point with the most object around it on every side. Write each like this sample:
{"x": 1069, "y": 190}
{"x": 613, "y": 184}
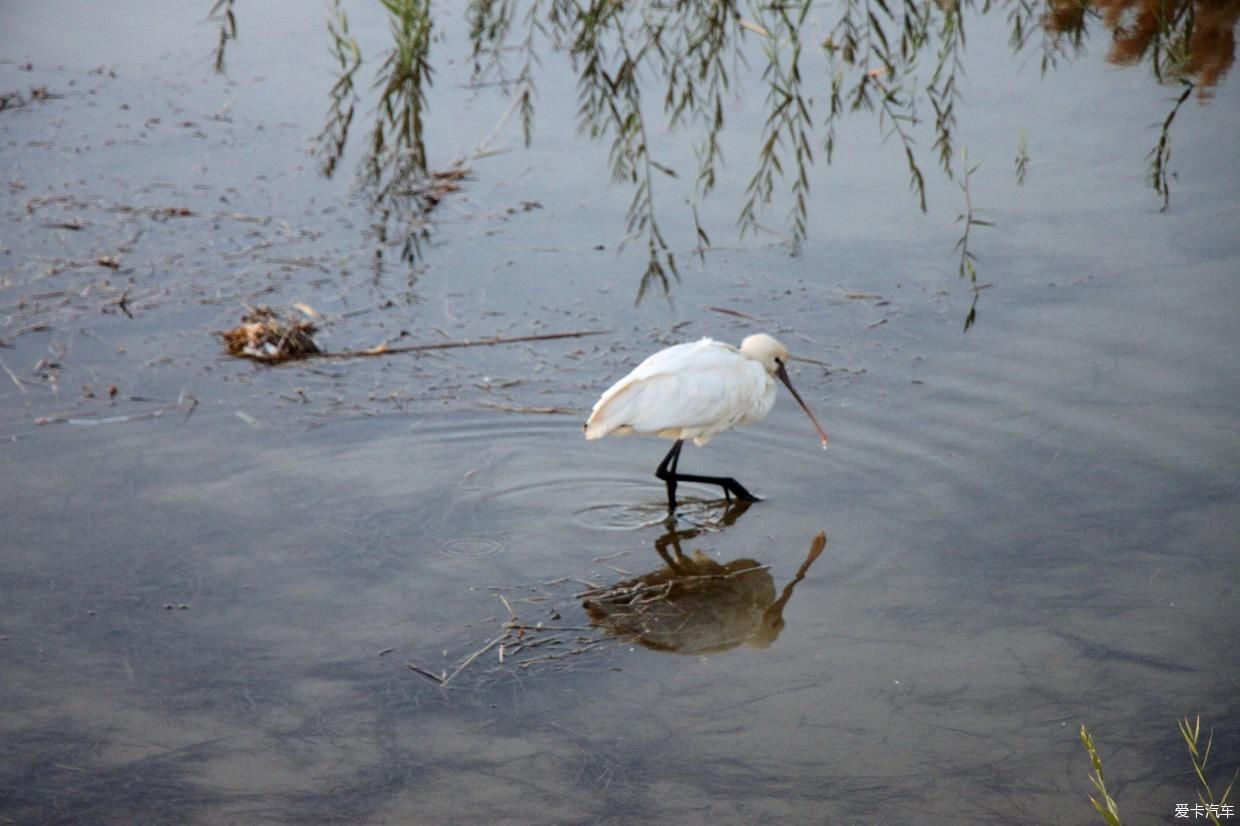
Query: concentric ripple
{"x": 471, "y": 546}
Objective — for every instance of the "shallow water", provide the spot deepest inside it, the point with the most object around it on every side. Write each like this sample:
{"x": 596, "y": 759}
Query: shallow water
{"x": 208, "y": 615}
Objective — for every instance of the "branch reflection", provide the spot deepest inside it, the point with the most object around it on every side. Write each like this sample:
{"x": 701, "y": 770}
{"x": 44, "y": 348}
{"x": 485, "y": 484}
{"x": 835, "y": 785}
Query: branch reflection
{"x": 646, "y": 69}
{"x": 1189, "y": 42}
{"x": 393, "y": 174}
{"x": 222, "y": 12}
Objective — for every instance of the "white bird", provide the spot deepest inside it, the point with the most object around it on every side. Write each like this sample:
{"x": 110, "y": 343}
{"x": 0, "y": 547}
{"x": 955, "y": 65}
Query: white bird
{"x": 694, "y": 391}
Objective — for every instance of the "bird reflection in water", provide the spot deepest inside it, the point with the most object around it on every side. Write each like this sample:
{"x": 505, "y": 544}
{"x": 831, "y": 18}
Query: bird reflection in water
{"x": 694, "y": 604}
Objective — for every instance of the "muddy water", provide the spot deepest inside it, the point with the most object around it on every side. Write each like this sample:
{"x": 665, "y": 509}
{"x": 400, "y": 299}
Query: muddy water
{"x": 214, "y": 580}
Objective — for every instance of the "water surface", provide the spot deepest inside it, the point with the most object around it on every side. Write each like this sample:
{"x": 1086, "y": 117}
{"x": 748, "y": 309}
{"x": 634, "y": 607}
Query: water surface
{"x": 208, "y": 614}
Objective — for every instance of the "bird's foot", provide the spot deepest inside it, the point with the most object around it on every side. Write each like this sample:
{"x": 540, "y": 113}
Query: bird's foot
{"x": 731, "y": 488}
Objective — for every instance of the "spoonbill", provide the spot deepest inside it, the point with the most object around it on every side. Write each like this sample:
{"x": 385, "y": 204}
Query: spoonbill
{"x": 694, "y": 391}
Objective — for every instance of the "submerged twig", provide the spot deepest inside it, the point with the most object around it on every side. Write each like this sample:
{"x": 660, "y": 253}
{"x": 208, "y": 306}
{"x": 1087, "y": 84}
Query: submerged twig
{"x": 561, "y": 655}
{"x": 385, "y": 350}
{"x": 737, "y": 313}
{"x": 132, "y": 417}
{"x": 550, "y": 411}
{"x": 474, "y": 656}
{"x": 513, "y": 626}
{"x": 20, "y": 385}
{"x": 427, "y": 674}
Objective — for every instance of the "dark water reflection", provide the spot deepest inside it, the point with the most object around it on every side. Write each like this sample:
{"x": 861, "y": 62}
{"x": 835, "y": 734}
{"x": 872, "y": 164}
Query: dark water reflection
{"x": 1031, "y": 527}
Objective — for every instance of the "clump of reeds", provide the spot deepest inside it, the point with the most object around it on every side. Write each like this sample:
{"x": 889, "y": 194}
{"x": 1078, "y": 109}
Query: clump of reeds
{"x": 1199, "y": 755}
{"x": 1105, "y": 806}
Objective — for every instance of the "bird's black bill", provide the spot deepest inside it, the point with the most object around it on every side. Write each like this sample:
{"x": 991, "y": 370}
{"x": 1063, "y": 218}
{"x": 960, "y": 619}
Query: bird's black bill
{"x": 783, "y": 376}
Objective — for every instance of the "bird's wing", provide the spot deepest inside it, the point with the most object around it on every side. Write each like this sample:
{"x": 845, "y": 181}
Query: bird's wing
{"x": 699, "y": 386}
{"x": 683, "y": 358}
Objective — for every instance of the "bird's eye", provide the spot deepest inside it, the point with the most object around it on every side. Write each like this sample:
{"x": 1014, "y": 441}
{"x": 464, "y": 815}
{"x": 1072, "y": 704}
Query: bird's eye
{"x": 779, "y": 361}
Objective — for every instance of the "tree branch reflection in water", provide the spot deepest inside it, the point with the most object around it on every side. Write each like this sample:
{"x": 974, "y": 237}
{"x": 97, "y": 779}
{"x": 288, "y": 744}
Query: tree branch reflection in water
{"x": 393, "y": 173}
{"x": 1185, "y": 40}
{"x": 902, "y": 63}
{"x": 1188, "y": 42}
{"x": 222, "y": 12}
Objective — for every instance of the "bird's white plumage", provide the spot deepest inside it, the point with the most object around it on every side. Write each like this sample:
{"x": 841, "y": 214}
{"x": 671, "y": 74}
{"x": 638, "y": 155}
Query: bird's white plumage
{"x": 688, "y": 391}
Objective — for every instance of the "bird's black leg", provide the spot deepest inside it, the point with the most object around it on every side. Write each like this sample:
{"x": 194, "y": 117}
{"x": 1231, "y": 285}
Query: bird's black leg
{"x": 667, "y": 472}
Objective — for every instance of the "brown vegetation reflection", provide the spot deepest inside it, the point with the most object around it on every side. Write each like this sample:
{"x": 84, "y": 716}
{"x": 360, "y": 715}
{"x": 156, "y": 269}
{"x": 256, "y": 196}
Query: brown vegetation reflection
{"x": 1188, "y": 40}
{"x": 695, "y": 605}
{"x": 1191, "y": 42}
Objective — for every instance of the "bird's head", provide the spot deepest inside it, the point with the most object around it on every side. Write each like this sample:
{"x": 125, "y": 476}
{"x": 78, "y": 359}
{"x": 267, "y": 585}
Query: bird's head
{"x": 773, "y": 356}
{"x": 766, "y": 351}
